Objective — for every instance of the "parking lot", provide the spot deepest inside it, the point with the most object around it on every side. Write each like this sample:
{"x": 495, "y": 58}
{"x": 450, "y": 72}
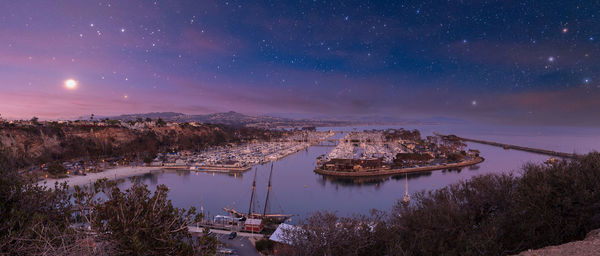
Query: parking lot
{"x": 240, "y": 245}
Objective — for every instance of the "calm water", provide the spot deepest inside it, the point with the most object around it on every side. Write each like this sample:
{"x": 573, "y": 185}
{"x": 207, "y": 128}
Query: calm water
{"x": 298, "y": 190}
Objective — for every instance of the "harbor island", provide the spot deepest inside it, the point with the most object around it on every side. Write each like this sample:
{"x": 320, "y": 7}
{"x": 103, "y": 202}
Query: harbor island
{"x": 394, "y": 151}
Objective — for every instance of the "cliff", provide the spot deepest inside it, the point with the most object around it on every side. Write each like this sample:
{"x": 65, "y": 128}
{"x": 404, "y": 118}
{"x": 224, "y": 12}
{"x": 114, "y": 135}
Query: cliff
{"x": 25, "y": 145}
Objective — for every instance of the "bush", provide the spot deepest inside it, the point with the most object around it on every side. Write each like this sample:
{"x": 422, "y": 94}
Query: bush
{"x": 137, "y": 222}
{"x": 35, "y": 220}
{"x": 56, "y": 169}
{"x": 264, "y": 245}
{"x": 494, "y": 214}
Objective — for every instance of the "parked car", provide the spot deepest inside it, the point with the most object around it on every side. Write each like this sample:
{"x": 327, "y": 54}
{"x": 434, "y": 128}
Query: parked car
{"x": 232, "y": 235}
{"x": 225, "y": 251}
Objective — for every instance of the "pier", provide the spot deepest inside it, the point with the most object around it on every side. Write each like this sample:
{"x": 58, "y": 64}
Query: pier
{"x": 527, "y": 149}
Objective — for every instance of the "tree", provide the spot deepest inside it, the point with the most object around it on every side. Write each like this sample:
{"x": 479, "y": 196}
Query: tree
{"x": 324, "y": 233}
{"x": 264, "y": 246}
{"x": 207, "y": 242}
{"x": 35, "y": 219}
{"x": 160, "y": 122}
{"x": 136, "y": 222}
{"x": 56, "y": 169}
{"x": 35, "y": 120}
{"x": 148, "y": 158}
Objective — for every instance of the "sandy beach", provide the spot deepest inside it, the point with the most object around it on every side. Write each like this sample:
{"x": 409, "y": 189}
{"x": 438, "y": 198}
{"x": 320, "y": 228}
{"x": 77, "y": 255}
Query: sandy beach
{"x": 116, "y": 173}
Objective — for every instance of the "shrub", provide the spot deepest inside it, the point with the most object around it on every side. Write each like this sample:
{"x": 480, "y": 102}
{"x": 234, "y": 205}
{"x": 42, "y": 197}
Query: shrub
{"x": 264, "y": 245}
{"x": 137, "y": 222}
{"x": 493, "y": 214}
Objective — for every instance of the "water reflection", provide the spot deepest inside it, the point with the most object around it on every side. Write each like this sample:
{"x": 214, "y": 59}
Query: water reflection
{"x": 296, "y": 189}
{"x": 370, "y": 181}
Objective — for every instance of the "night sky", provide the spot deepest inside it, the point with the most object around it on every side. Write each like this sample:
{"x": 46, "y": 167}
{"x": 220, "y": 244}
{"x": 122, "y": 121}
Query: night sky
{"x": 514, "y": 62}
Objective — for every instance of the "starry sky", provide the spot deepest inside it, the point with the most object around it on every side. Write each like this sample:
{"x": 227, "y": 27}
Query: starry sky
{"x": 521, "y": 62}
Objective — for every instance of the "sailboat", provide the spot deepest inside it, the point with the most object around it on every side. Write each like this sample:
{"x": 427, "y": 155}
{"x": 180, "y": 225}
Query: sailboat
{"x": 277, "y": 218}
{"x": 406, "y": 198}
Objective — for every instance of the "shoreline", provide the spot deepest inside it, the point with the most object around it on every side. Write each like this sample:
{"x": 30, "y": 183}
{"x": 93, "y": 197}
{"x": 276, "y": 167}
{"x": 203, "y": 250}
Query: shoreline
{"x": 400, "y": 171}
{"x": 111, "y": 174}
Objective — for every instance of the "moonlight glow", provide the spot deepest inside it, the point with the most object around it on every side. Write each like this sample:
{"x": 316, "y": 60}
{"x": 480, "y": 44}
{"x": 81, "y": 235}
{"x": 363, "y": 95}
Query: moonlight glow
{"x": 71, "y": 84}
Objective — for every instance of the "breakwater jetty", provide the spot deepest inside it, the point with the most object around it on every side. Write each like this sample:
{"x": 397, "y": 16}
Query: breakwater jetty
{"x": 528, "y": 149}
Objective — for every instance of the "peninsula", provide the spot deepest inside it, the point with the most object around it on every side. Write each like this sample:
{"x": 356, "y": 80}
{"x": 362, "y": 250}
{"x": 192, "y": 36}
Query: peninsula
{"x": 394, "y": 151}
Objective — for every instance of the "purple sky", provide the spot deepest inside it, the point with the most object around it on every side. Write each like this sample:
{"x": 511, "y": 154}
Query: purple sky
{"x": 526, "y": 63}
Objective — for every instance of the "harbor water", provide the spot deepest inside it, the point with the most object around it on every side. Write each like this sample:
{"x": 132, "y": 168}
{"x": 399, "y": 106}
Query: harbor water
{"x": 297, "y": 190}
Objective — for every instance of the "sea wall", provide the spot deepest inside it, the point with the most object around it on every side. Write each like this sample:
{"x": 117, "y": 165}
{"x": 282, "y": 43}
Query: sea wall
{"x": 400, "y": 171}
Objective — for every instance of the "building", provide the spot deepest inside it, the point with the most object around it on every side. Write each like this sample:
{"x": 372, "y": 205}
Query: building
{"x": 346, "y": 165}
{"x": 281, "y": 245}
{"x": 253, "y": 225}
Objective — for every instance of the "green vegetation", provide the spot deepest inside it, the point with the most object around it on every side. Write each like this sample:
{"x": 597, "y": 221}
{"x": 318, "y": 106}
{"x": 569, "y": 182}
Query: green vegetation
{"x": 101, "y": 220}
{"x": 136, "y": 222}
{"x": 264, "y": 246}
{"x": 56, "y": 169}
{"x": 494, "y": 214}
{"x": 35, "y": 220}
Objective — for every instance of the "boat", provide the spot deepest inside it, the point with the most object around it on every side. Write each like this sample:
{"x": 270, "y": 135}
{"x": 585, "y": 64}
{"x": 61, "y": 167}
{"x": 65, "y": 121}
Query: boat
{"x": 276, "y": 218}
{"x": 406, "y": 198}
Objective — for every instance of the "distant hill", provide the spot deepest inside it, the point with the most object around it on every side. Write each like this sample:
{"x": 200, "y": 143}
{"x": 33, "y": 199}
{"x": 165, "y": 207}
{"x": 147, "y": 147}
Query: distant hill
{"x": 167, "y": 116}
{"x": 229, "y": 118}
{"x": 283, "y": 120}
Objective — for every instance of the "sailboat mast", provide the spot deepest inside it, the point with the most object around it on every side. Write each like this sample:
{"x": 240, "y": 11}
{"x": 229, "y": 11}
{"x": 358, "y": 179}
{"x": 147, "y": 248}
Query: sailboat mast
{"x": 252, "y": 195}
{"x": 406, "y": 185}
{"x": 406, "y": 195}
{"x": 268, "y": 191}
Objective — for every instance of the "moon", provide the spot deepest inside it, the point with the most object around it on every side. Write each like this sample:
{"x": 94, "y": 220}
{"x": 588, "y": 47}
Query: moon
{"x": 71, "y": 84}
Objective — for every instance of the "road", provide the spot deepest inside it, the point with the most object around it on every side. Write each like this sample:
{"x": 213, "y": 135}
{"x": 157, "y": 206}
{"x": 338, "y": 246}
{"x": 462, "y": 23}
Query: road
{"x": 241, "y": 245}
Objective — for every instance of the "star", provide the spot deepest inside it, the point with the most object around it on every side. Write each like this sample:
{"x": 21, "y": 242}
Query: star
{"x": 122, "y": 30}
{"x": 565, "y": 30}
{"x": 551, "y": 59}
{"x": 474, "y": 103}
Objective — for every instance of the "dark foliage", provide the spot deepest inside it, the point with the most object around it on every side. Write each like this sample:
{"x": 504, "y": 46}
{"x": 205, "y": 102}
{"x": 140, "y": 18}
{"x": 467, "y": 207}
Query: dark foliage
{"x": 264, "y": 245}
{"x": 40, "y": 221}
{"x": 137, "y": 222}
{"x": 34, "y": 220}
{"x": 327, "y": 234}
{"x": 494, "y": 214}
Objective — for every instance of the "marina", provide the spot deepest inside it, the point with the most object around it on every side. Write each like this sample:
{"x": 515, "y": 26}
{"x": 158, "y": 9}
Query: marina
{"x": 298, "y": 190}
{"x": 394, "y": 151}
{"x": 240, "y": 158}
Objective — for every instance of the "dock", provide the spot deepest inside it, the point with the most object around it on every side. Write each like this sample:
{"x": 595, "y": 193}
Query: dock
{"x": 240, "y": 232}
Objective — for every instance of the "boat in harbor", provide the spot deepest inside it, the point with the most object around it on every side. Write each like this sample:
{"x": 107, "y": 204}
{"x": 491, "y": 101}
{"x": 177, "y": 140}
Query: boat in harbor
{"x": 406, "y": 198}
{"x": 270, "y": 217}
